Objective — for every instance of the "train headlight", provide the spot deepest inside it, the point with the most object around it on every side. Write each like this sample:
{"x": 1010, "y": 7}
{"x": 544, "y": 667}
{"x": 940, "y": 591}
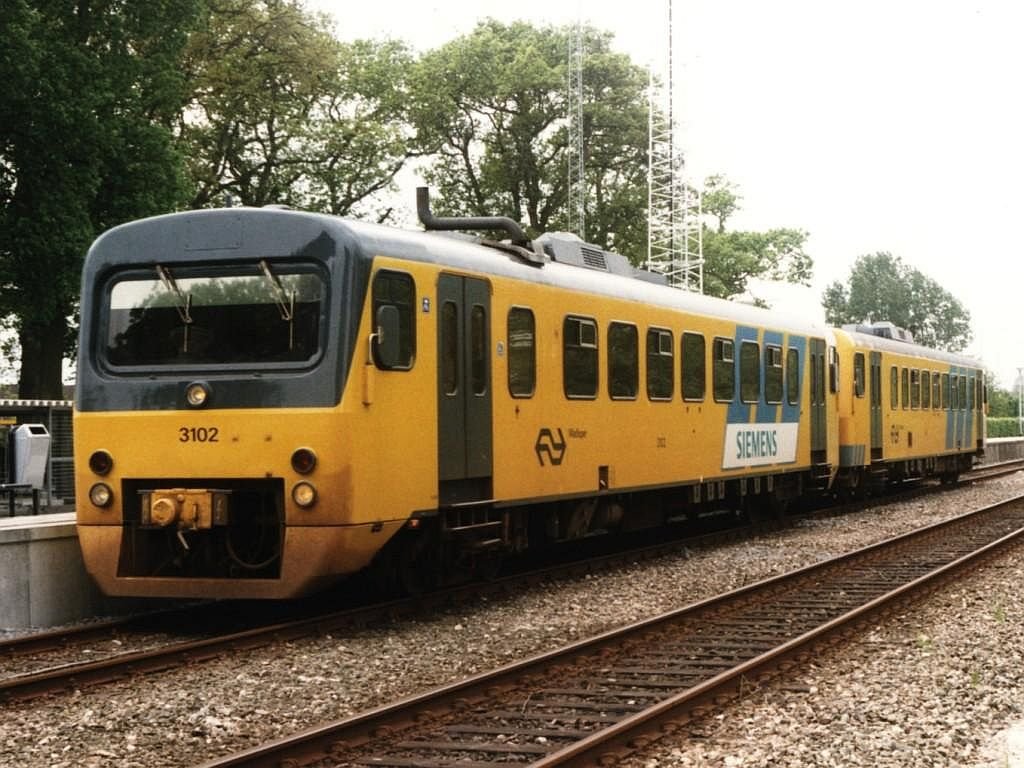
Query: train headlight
{"x": 101, "y": 462}
{"x": 197, "y": 393}
{"x": 303, "y": 461}
{"x": 101, "y": 495}
{"x": 304, "y": 494}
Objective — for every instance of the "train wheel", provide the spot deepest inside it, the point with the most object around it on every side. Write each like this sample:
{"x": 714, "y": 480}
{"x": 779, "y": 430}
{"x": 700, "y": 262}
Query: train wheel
{"x": 417, "y": 567}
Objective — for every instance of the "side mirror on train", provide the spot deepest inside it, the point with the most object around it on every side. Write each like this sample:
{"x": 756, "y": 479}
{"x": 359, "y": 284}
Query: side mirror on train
{"x": 386, "y": 344}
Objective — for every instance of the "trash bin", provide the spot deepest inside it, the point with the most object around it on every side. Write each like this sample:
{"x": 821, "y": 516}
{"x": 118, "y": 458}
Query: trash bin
{"x": 31, "y": 451}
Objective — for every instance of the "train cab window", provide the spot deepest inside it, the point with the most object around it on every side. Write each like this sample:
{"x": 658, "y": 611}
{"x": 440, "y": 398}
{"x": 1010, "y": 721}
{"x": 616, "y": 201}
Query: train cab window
{"x": 858, "y": 374}
{"x": 926, "y": 389}
{"x": 936, "y": 391}
{"x": 905, "y": 388}
{"x": 772, "y": 374}
{"x": 915, "y": 388}
{"x": 579, "y": 357}
{"x": 522, "y": 352}
{"x": 894, "y": 388}
{"x": 792, "y": 376}
{"x": 394, "y": 296}
{"x": 723, "y": 370}
{"x": 694, "y": 366}
{"x": 660, "y": 364}
{"x": 623, "y": 361}
{"x": 260, "y": 314}
{"x": 750, "y": 372}
{"x": 833, "y": 370}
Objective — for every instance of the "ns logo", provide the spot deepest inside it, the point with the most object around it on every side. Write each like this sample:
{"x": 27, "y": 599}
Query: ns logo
{"x": 547, "y": 445}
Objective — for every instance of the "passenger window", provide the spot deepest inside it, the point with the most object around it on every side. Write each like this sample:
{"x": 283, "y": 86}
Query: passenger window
{"x": 793, "y": 376}
{"x": 946, "y": 399}
{"x": 660, "y": 364}
{"x": 522, "y": 352}
{"x": 915, "y": 388}
{"x": 449, "y": 348}
{"x": 398, "y": 291}
{"x": 963, "y": 393}
{"x": 905, "y": 387}
{"x": 936, "y": 391}
{"x": 694, "y": 366}
{"x": 833, "y": 370}
{"x": 858, "y": 374}
{"x": 750, "y": 372}
{"x": 579, "y": 357}
{"x": 623, "y": 361}
{"x": 926, "y": 390}
{"x": 723, "y": 372}
{"x": 773, "y": 374}
{"x": 954, "y": 389}
{"x": 894, "y": 388}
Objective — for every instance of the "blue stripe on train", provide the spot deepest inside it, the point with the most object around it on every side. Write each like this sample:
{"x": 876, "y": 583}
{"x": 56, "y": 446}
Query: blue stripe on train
{"x": 739, "y": 412}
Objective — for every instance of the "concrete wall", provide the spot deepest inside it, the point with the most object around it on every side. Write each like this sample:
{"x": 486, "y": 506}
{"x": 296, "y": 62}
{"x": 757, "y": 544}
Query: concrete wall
{"x": 1003, "y": 449}
{"x": 43, "y": 582}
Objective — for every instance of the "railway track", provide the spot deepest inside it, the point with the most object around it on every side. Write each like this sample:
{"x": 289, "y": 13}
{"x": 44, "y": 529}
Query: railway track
{"x": 598, "y": 700}
{"x": 117, "y": 649}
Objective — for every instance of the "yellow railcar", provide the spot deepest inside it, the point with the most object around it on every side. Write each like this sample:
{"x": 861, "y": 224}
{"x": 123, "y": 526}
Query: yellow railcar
{"x": 909, "y": 411}
{"x": 270, "y": 400}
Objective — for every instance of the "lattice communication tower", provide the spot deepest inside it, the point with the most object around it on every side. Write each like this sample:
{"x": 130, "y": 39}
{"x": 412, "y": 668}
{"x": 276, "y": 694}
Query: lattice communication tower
{"x": 674, "y": 237}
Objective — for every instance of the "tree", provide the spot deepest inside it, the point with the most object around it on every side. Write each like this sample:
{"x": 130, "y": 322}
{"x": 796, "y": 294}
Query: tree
{"x": 281, "y": 112}
{"x": 733, "y": 258}
{"x": 89, "y": 92}
{"x": 882, "y": 287}
{"x": 491, "y": 107}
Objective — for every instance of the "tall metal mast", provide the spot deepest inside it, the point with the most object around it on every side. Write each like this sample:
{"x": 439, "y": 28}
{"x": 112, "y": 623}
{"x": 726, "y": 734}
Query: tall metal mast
{"x": 577, "y": 188}
{"x": 674, "y": 236}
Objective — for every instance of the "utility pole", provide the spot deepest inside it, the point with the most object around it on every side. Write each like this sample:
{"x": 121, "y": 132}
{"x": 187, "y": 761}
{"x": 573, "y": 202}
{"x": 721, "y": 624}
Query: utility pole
{"x": 1020, "y": 401}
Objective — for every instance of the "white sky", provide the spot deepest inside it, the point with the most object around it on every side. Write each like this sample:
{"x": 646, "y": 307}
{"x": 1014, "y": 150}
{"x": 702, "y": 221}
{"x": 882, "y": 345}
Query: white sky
{"x": 878, "y": 125}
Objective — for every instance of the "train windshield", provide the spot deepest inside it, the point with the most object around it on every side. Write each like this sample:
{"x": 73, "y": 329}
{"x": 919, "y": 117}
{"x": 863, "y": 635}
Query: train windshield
{"x": 263, "y": 315}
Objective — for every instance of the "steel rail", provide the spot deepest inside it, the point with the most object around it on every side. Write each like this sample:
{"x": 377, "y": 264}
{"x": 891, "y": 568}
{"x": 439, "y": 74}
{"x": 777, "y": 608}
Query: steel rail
{"x": 115, "y": 667}
{"x": 376, "y": 730}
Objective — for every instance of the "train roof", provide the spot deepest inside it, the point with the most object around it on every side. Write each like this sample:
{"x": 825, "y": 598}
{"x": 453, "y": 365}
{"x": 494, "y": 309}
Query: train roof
{"x": 459, "y": 253}
{"x": 898, "y": 347}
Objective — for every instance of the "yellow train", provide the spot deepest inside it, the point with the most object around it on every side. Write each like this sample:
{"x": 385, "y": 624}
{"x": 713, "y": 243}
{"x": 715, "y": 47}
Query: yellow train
{"x": 269, "y": 400}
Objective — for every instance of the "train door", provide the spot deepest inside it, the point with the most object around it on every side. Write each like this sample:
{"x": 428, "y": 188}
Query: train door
{"x": 876, "y": 405}
{"x": 464, "y": 389}
{"x": 819, "y": 418}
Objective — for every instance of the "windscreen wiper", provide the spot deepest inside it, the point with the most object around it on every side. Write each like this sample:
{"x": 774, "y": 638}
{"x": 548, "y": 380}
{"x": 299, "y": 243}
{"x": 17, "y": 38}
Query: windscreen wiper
{"x": 183, "y": 303}
{"x": 285, "y": 301}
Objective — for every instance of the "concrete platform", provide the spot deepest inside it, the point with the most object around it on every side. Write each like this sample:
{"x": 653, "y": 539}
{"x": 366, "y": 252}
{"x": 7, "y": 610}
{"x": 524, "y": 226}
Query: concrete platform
{"x": 43, "y": 582}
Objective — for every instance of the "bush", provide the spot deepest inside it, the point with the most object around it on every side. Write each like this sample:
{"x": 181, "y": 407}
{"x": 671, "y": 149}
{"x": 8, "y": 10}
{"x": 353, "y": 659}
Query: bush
{"x": 1003, "y": 427}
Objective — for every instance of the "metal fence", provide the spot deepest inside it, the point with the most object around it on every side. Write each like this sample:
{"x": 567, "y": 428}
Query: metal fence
{"x": 55, "y": 415}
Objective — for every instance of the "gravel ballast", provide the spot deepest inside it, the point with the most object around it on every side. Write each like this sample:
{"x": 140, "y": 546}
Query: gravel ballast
{"x": 939, "y": 684}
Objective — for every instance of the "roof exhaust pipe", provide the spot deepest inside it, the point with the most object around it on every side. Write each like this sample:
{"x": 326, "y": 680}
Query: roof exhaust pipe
{"x": 501, "y": 223}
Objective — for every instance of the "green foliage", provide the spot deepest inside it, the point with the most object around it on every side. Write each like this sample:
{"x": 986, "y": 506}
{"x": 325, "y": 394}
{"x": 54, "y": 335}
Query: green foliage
{"x": 281, "y": 112}
{"x": 90, "y": 89}
{"x": 882, "y": 287}
{"x": 1001, "y": 402}
{"x": 1002, "y": 427}
{"x": 491, "y": 108}
{"x": 733, "y": 258}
